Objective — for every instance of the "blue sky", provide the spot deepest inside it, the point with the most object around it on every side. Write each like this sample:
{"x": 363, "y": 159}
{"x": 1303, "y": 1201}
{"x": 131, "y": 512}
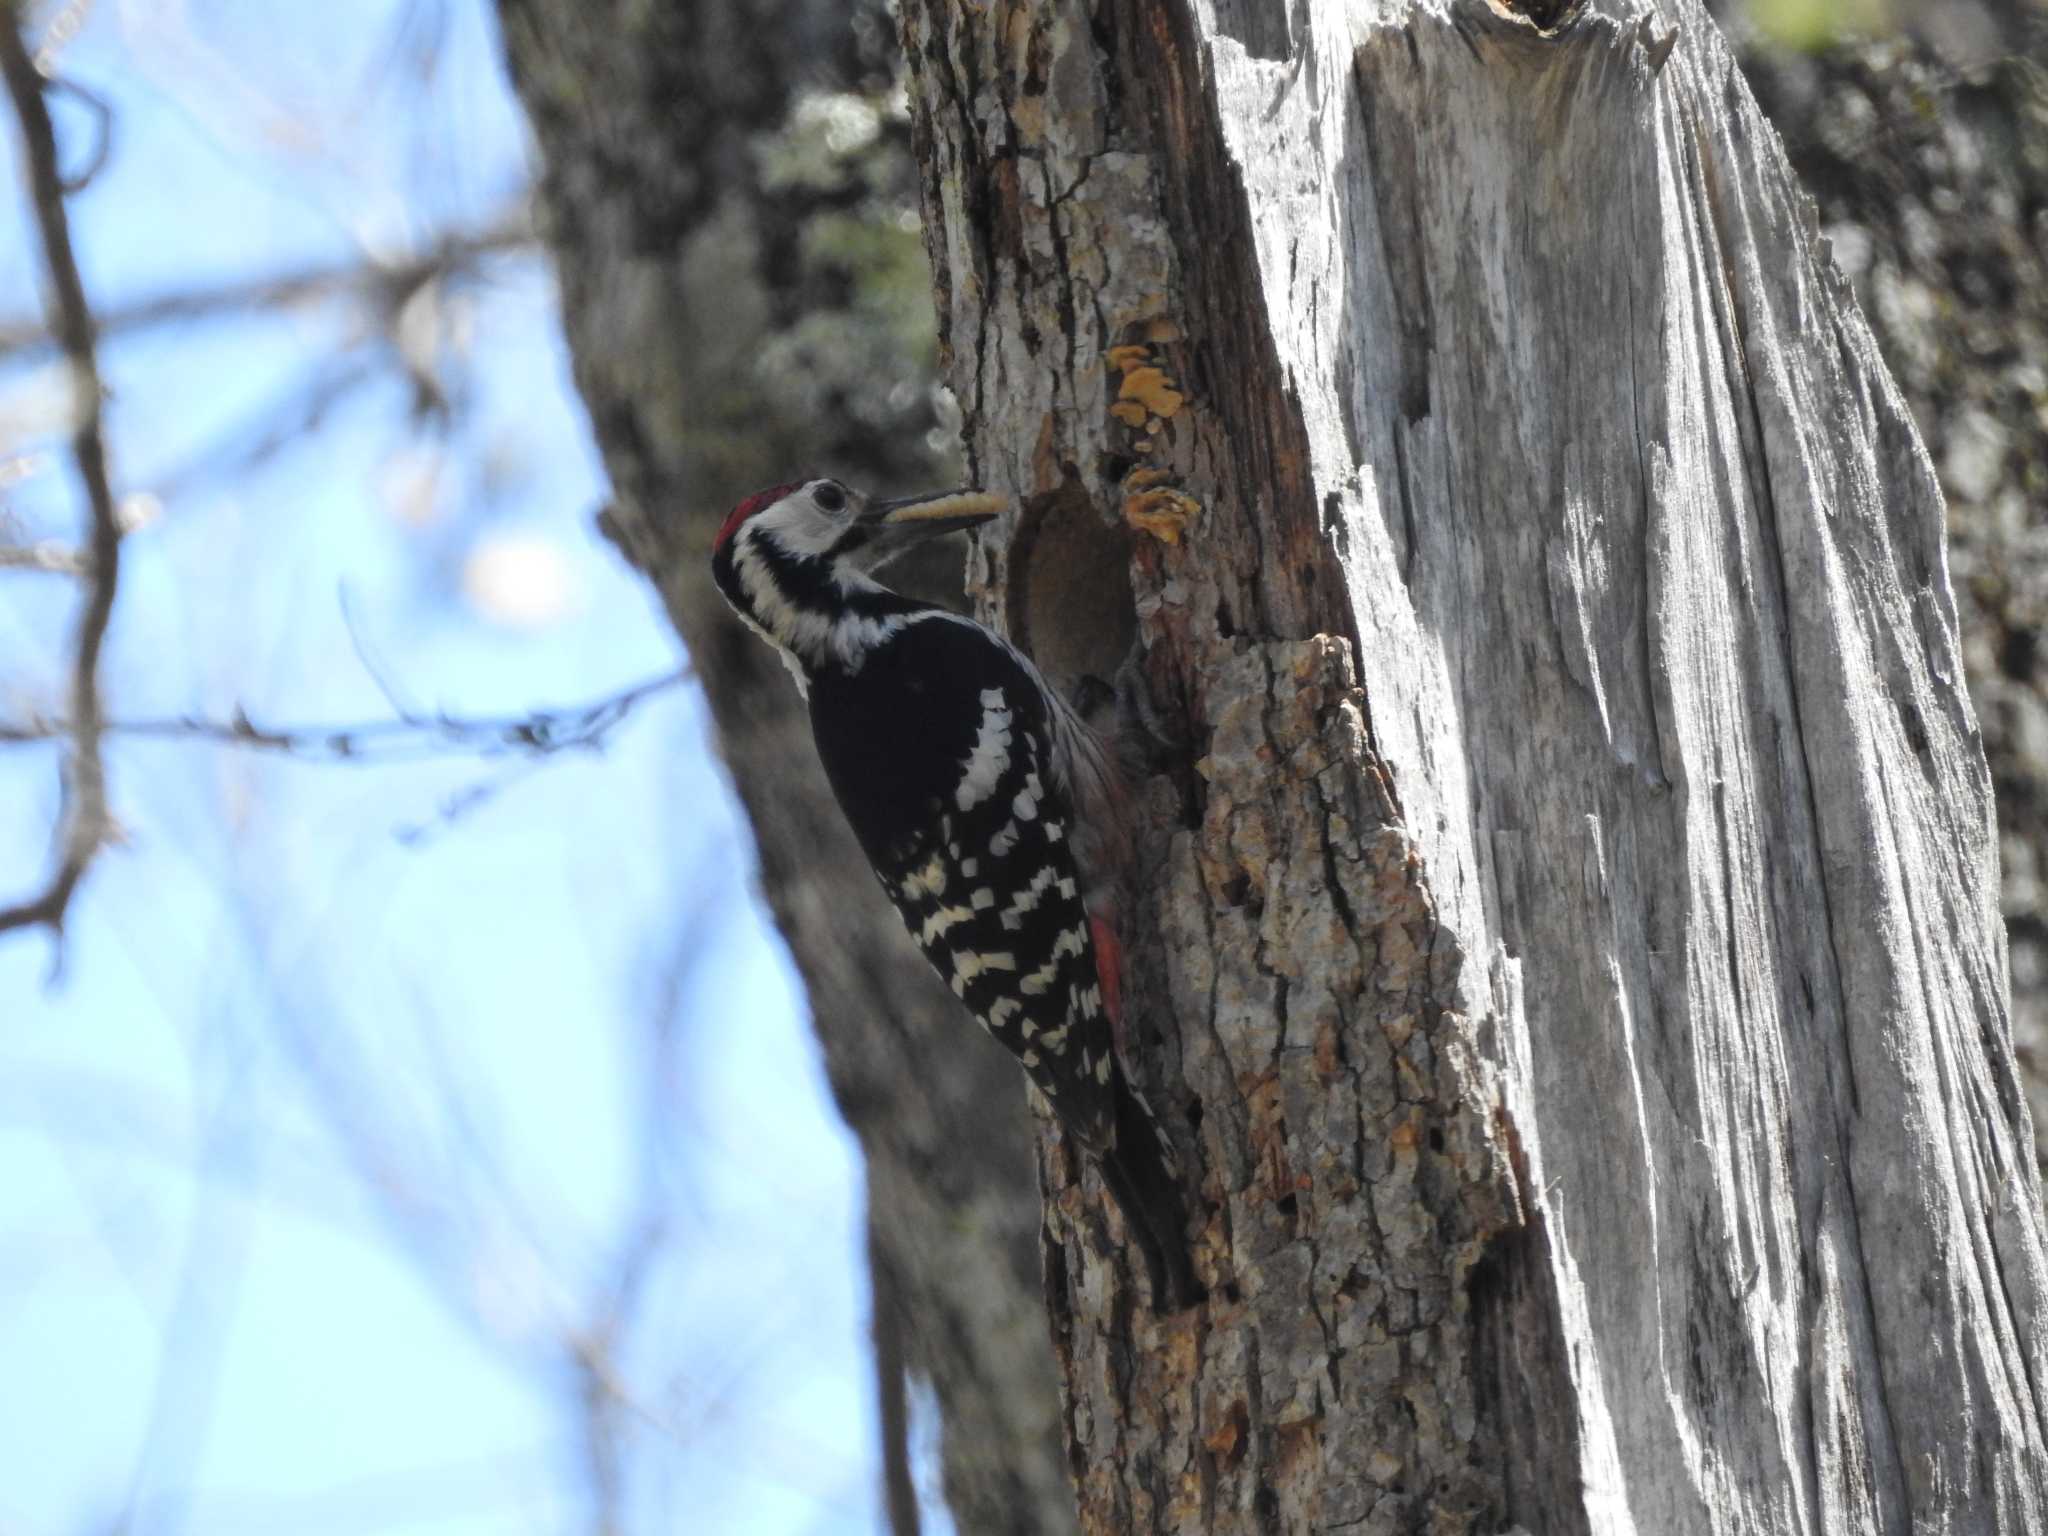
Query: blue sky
{"x": 325, "y": 1150}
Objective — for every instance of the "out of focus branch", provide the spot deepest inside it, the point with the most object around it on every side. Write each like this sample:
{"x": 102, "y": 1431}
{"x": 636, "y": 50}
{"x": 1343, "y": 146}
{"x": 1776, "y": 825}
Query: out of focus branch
{"x": 406, "y": 736}
{"x": 84, "y": 824}
{"x": 58, "y": 32}
{"x": 48, "y": 555}
{"x": 383, "y": 285}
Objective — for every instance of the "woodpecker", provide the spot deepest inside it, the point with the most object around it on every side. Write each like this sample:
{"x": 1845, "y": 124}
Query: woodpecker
{"x": 989, "y": 809}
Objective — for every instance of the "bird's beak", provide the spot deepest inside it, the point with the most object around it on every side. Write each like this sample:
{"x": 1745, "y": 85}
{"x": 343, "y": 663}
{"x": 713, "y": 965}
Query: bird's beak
{"x": 912, "y": 519}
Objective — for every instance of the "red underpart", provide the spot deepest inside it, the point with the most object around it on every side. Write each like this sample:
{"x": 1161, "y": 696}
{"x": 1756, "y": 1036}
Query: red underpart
{"x": 1109, "y": 967}
{"x": 748, "y": 508}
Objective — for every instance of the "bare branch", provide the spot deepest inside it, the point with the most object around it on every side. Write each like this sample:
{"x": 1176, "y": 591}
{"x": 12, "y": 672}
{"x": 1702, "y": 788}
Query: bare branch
{"x": 59, "y": 32}
{"x": 406, "y": 737}
{"x": 46, "y": 555}
{"x": 367, "y": 656}
{"x": 103, "y": 124}
{"x": 385, "y": 285}
{"x": 84, "y": 823}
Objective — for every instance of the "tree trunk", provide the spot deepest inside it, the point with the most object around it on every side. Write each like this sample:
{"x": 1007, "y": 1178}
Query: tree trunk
{"x": 1570, "y": 960}
{"x": 684, "y": 269}
{"x": 1932, "y": 199}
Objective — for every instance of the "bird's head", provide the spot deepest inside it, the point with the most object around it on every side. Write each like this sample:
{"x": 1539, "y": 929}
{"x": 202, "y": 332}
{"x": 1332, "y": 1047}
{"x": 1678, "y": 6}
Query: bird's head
{"x": 795, "y": 560}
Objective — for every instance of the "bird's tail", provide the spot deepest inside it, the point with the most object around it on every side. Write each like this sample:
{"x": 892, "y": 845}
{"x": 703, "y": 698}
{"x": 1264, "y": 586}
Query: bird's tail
{"x": 1139, "y": 1169}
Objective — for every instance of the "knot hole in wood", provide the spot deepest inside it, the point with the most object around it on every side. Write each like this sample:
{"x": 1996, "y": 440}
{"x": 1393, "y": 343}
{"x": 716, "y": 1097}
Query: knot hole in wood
{"x": 1068, "y": 601}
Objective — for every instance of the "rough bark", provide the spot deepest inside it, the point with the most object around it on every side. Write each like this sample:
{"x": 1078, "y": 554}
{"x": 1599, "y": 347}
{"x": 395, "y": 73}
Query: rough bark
{"x": 1570, "y": 957}
{"x": 685, "y": 267}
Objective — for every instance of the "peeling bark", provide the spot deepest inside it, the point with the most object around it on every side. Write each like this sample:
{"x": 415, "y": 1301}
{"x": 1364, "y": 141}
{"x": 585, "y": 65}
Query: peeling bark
{"x": 1570, "y": 961}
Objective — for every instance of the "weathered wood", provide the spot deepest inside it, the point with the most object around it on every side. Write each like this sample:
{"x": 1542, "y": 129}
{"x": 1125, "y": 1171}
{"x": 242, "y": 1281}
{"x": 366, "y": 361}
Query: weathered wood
{"x": 1927, "y": 164}
{"x": 1586, "y": 822}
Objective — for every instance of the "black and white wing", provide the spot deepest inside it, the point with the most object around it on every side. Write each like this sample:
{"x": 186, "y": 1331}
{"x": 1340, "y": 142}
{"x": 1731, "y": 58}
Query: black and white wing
{"x": 940, "y": 750}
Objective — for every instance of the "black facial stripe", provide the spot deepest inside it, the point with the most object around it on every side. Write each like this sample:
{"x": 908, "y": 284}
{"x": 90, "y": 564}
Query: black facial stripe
{"x": 805, "y": 581}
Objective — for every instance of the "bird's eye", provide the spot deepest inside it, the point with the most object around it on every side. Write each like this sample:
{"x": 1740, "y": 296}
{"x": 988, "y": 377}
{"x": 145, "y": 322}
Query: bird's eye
{"x": 829, "y": 496}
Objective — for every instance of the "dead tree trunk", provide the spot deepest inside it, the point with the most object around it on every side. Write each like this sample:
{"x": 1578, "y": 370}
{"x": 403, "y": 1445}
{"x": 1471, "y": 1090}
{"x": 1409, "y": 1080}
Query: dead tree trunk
{"x": 1959, "y": 305}
{"x": 1570, "y": 958}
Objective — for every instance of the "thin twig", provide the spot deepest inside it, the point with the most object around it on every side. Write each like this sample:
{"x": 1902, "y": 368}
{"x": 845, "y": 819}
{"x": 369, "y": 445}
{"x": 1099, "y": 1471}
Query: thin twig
{"x": 371, "y": 662}
{"x": 403, "y": 738}
{"x": 465, "y": 802}
{"x": 84, "y": 824}
{"x": 103, "y": 126}
{"x": 385, "y": 284}
{"x": 48, "y": 555}
{"x": 58, "y": 33}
